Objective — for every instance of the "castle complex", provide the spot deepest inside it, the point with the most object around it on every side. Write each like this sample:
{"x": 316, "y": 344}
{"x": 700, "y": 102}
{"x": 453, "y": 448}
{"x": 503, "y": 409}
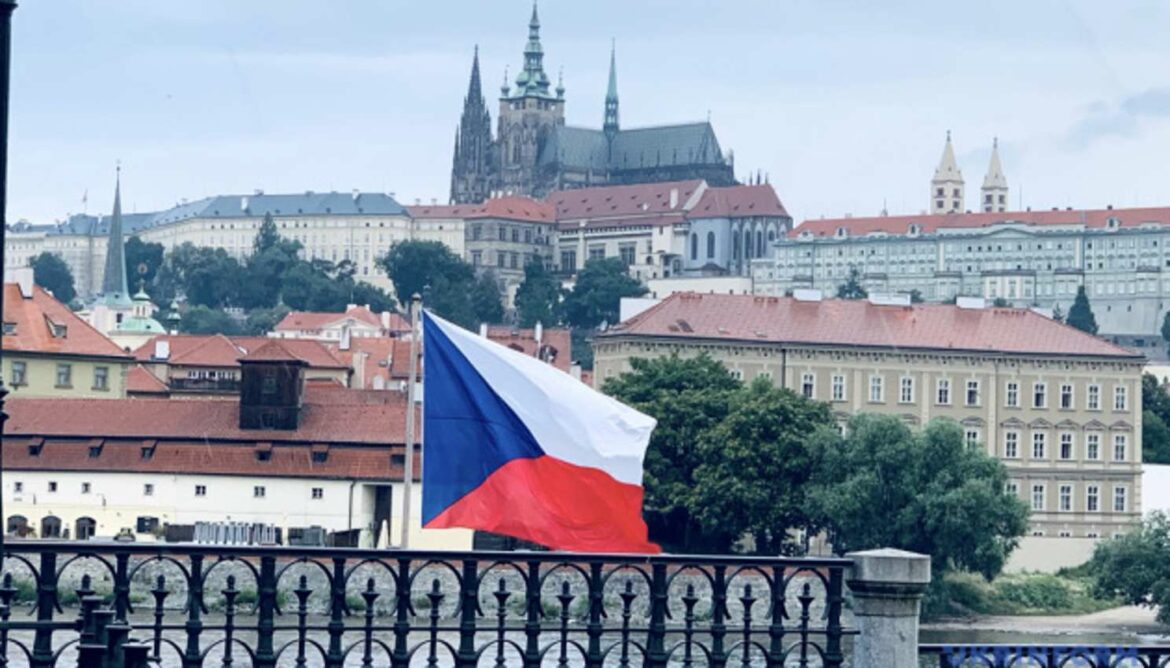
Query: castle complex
{"x": 534, "y": 152}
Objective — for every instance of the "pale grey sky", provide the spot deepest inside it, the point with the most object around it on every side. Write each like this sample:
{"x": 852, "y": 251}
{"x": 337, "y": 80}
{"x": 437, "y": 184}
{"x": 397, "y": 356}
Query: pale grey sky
{"x": 844, "y": 104}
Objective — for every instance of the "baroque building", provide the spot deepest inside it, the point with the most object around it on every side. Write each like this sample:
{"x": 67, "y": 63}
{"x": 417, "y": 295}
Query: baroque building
{"x": 535, "y": 152}
{"x": 1060, "y": 408}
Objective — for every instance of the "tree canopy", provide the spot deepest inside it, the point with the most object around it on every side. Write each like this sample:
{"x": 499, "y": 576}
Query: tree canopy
{"x": 852, "y": 287}
{"x": 1080, "y": 315}
{"x": 1155, "y": 421}
{"x": 929, "y": 492}
{"x": 51, "y": 273}
{"x": 597, "y": 294}
{"x": 538, "y": 299}
{"x": 1134, "y": 566}
{"x": 447, "y": 283}
{"x": 143, "y": 260}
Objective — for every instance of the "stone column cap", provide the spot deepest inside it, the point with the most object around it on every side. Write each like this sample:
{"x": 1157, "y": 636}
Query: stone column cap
{"x": 889, "y": 565}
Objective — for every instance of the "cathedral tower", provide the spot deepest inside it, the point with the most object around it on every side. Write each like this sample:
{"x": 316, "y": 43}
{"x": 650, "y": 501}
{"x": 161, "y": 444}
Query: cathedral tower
{"x": 528, "y": 114}
{"x": 946, "y": 188}
{"x": 995, "y": 186}
{"x": 472, "y": 169}
{"x": 610, "y": 126}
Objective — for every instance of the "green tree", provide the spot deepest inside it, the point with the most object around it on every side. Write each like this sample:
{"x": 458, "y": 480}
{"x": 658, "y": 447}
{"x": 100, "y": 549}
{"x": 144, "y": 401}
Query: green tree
{"x": 852, "y": 287}
{"x": 267, "y": 237}
{"x": 1166, "y": 327}
{"x": 538, "y": 299}
{"x": 263, "y": 320}
{"x": 928, "y": 492}
{"x": 372, "y": 296}
{"x": 1057, "y": 313}
{"x": 204, "y": 276}
{"x": 1134, "y": 566}
{"x": 1155, "y": 421}
{"x": 1081, "y": 314}
{"x": 51, "y": 273}
{"x": 916, "y": 296}
{"x": 143, "y": 261}
{"x": 430, "y": 269}
{"x": 203, "y": 320}
{"x": 487, "y": 300}
{"x": 596, "y": 297}
{"x": 756, "y": 463}
{"x": 1000, "y": 302}
{"x": 688, "y": 397}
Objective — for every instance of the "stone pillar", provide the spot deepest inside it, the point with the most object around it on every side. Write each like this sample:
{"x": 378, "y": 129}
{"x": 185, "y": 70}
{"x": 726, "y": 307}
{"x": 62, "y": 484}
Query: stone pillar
{"x": 887, "y": 588}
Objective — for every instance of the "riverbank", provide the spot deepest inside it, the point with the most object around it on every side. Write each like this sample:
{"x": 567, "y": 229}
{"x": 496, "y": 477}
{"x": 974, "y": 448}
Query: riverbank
{"x": 1122, "y": 625}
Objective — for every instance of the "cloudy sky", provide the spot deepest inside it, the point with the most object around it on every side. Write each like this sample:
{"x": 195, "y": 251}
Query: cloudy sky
{"x": 844, "y": 104}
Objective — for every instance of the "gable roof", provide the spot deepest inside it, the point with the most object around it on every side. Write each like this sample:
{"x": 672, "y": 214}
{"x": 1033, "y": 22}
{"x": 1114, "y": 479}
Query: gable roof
{"x": 34, "y": 318}
{"x": 682, "y": 144}
{"x": 738, "y": 201}
{"x": 557, "y": 340}
{"x": 624, "y": 201}
{"x": 217, "y": 350}
{"x": 844, "y": 322}
{"x": 521, "y": 209}
{"x": 272, "y": 351}
{"x": 139, "y": 381}
{"x": 1089, "y": 218}
{"x": 311, "y": 321}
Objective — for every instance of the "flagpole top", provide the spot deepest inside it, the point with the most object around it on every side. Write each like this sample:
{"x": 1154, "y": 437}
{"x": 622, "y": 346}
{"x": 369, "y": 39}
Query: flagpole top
{"x": 416, "y": 297}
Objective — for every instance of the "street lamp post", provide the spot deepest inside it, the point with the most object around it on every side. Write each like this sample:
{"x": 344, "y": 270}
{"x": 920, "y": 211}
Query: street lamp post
{"x": 6, "y": 8}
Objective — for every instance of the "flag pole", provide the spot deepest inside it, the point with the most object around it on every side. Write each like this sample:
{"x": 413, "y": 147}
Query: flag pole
{"x": 408, "y": 461}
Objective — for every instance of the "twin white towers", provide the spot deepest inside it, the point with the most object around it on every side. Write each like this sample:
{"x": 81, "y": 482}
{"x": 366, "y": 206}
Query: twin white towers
{"x": 947, "y": 189}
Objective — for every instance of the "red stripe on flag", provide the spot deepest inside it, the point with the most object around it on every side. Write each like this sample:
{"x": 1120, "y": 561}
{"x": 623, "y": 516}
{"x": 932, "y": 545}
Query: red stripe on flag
{"x": 556, "y": 504}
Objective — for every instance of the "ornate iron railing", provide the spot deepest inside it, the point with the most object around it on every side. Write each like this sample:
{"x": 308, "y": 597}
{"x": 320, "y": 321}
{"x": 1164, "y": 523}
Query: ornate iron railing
{"x": 202, "y": 605}
{"x": 1072, "y": 655}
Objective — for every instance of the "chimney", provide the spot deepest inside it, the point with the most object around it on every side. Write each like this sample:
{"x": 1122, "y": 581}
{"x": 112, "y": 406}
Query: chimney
{"x": 22, "y": 277}
{"x": 674, "y": 198}
{"x": 384, "y": 316}
{"x": 575, "y": 370}
{"x": 162, "y": 349}
{"x": 345, "y": 338}
{"x": 244, "y": 203}
{"x": 483, "y": 329}
{"x": 356, "y": 194}
{"x": 538, "y": 333}
{"x": 358, "y": 379}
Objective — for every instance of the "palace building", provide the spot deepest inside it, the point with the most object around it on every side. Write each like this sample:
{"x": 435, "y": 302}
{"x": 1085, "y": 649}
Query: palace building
{"x": 1061, "y": 409}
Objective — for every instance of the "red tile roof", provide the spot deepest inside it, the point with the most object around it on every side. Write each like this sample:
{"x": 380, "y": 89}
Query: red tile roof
{"x": 838, "y": 322}
{"x": 522, "y": 209}
{"x": 141, "y": 381}
{"x": 622, "y": 201}
{"x": 653, "y": 221}
{"x": 358, "y": 418}
{"x": 376, "y": 351}
{"x": 219, "y": 458}
{"x": 34, "y": 318}
{"x": 316, "y": 320}
{"x": 272, "y": 351}
{"x": 738, "y": 201}
{"x": 1091, "y": 218}
{"x": 217, "y": 350}
{"x": 559, "y": 341}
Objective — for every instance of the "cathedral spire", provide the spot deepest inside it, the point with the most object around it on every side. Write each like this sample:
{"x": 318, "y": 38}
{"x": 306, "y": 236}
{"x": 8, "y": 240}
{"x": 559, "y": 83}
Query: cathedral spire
{"x": 532, "y": 80}
{"x": 995, "y": 185}
{"x": 611, "y": 95}
{"x": 946, "y": 188}
{"x": 474, "y": 90}
{"x": 114, "y": 284}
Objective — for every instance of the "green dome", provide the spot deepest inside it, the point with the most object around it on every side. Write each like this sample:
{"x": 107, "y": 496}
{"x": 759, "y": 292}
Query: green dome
{"x": 136, "y": 325}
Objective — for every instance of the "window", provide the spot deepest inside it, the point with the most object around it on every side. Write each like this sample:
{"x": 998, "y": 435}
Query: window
{"x": 1092, "y": 498}
{"x": 19, "y": 374}
{"x": 1093, "y": 403}
{"x": 1011, "y": 445}
{"x": 1013, "y": 488}
{"x": 1119, "y": 398}
{"x": 1039, "y": 395}
{"x": 148, "y": 489}
{"x": 906, "y": 390}
{"x": 943, "y": 394}
{"x": 269, "y": 383}
{"x": 18, "y": 487}
{"x": 1066, "y": 445}
{"x": 972, "y": 393}
{"x": 876, "y": 390}
{"x": 972, "y": 437}
{"x": 64, "y": 375}
{"x": 85, "y": 488}
{"x": 838, "y": 388}
{"x": 1092, "y": 446}
{"x": 710, "y": 245}
{"x": 1065, "y": 500}
{"x": 502, "y": 259}
{"x": 597, "y": 253}
{"x": 694, "y": 246}
{"x": 259, "y": 492}
{"x": 101, "y": 378}
{"x": 1066, "y": 397}
{"x": 52, "y": 485}
{"x": 1012, "y": 395}
{"x": 1039, "y": 440}
{"x": 808, "y": 385}
{"x": 1119, "y": 499}
{"x": 1037, "y": 497}
{"x": 318, "y": 493}
{"x": 1119, "y": 447}
{"x": 568, "y": 260}
{"x": 626, "y": 253}
{"x": 200, "y": 490}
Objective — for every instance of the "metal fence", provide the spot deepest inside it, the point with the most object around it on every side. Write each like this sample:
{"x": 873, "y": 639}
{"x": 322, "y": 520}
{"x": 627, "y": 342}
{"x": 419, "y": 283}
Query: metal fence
{"x": 197, "y": 605}
{"x": 1072, "y": 655}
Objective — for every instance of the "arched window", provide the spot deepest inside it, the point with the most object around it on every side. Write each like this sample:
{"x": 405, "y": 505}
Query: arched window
{"x": 747, "y": 244}
{"x": 85, "y": 528}
{"x": 710, "y": 245}
{"x": 694, "y": 246}
{"x": 51, "y": 527}
{"x": 17, "y": 525}
{"x": 734, "y": 246}
{"x": 771, "y": 235}
{"x": 759, "y": 243}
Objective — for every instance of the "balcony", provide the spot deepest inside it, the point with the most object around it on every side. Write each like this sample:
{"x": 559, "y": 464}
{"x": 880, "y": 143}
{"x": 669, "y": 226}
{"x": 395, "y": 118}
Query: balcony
{"x": 209, "y": 385}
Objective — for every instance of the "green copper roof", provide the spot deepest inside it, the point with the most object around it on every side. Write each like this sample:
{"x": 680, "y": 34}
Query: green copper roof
{"x": 532, "y": 81}
{"x": 135, "y": 325}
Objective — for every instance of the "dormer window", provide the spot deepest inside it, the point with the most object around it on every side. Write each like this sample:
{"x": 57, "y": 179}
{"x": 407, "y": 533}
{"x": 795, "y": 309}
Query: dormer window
{"x": 1113, "y": 223}
{"x": 915, "y": 229}
{"x": 842, "y": 232}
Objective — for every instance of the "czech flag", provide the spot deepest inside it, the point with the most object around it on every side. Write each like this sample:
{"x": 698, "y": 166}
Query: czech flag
{"x": 514, "y": 446}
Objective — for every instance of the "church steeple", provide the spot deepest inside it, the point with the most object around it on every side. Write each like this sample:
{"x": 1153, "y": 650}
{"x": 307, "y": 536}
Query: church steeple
{"x": 995, "y": 185}
{"x": 532, "y": 81}
{"x": 611, "y": 96}
{"x": 946, "y": 188}
{"x": 471, "y": 167}
{"x": 114, "y": 285}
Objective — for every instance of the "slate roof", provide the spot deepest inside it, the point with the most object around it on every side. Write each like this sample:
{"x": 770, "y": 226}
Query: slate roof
{"x": 587, "y": 149}
{"x": 843, "y": 322}
{"x": 34, "y": 319}
{"x": 1090, "y": 218}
